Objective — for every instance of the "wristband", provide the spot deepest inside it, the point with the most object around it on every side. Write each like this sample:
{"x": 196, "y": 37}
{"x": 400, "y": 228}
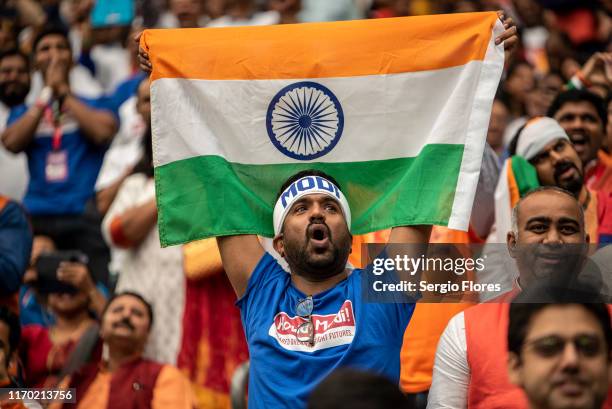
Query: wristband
{"x": 44, "y": 98}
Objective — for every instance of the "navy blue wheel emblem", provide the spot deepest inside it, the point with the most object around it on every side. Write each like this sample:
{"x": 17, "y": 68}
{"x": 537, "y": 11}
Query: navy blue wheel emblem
{"x": 305, "y": 120}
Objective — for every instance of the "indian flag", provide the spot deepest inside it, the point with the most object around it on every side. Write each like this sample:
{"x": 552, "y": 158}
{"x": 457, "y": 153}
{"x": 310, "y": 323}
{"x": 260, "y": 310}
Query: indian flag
{"x": 396, "y": 110}
{"x": 516, "y": 179}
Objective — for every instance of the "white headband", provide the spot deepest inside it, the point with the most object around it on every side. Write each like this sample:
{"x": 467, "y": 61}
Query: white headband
{"x": 307, "y": 186}
{"x": 538, "y": 133}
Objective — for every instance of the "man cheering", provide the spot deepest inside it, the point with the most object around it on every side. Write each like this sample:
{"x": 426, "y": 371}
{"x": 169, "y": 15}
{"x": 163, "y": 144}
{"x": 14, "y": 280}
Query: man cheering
{"x": 300, "y": 326}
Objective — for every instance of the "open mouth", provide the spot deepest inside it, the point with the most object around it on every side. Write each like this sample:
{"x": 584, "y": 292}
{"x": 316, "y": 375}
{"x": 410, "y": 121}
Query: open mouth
{"x": 564, "y": 171}
{"x": 579, "y": 140}
{"x": 318, "y": 235}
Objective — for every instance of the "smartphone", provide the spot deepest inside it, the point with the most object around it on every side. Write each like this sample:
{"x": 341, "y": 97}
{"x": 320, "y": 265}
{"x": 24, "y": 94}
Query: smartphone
{"x": 47, "y": 265}
{"x": 112, "y": 13}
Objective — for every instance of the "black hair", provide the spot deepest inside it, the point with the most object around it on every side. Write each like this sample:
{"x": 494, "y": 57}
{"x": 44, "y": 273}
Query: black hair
{"x": 304, "y": 173}
{"x": 11, "y": 52}
{"x": 50, "y": 30}
{"x": 12, "y": 321}
{"x": 515, "y": 65}
{"x": 502, "y": 100}
{"x": 579, "y": 95}
{"x": 145, "y": 164}
{"x": 534, "y": 299}
{"x": 355, "y": 389}
{"x": 135, "y": 295}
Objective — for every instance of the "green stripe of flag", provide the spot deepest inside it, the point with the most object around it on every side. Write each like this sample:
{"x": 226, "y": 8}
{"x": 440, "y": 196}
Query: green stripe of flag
{"x": 192, "y": 203}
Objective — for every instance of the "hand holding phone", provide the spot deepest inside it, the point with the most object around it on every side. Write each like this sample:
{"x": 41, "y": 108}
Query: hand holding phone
{"x": 47, "y": 267}
{"x": 75, "y": 274}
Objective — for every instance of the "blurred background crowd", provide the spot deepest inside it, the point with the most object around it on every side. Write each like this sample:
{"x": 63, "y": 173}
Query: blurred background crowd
{"x": 78, "y": 220}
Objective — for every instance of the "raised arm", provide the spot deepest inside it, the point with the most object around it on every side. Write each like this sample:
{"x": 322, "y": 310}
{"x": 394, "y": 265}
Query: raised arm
{"x": 144, "y": 61}
{"x": 483, "y": 210}
{"x": 509, "y": 37}
{"x": 410, "y": 234}
{"x": 240, "y": 255}
{"x": 78, "y": 275}
{"x": 99, "y": 126}
{"x": 415, "y": 240}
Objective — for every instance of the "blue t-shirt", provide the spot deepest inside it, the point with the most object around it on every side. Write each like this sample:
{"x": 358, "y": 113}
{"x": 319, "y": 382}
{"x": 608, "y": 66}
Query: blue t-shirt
{"x": 15, "y": 247}
{"x": 84, "y": 159}
{"x": 349, "y": 332}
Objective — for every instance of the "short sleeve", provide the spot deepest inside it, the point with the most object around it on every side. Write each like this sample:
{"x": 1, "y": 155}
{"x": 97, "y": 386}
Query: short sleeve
{"x": 451, "y": 374}
{"x": 265, "y": 284}
{"x": 15, "y": 114}
{"x": 104, "y": 104}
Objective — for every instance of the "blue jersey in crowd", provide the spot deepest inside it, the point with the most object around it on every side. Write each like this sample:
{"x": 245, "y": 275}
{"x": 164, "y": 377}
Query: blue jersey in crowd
{"x": 70, "y": 185}
{"x": 15, "y": 246}
{"x": 349, "y": 332}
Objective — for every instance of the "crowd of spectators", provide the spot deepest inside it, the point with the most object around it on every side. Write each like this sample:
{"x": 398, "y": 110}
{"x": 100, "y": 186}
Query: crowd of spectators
{"x": 83, "y": 278}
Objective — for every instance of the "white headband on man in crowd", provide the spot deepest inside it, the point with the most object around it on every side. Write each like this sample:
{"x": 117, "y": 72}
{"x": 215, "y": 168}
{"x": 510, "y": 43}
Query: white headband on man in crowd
{"x": 538, "y": 133}
{"x": 308, "y": 185}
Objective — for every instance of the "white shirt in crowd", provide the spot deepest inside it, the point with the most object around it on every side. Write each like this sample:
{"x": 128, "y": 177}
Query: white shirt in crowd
{"x": 112, "y": 63}
{"x": 264, "y": 18}
{"x": 451, "y": 374}
{"x": 126, "y": 149}
{"x": 154, "y": 272}
{"x": 169, "y": 20}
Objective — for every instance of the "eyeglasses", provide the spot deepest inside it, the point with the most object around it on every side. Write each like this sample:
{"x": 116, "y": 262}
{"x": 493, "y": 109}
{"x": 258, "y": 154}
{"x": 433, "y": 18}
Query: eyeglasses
{"x": 552, "y": 346}
{"x": 305, "y": 332}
